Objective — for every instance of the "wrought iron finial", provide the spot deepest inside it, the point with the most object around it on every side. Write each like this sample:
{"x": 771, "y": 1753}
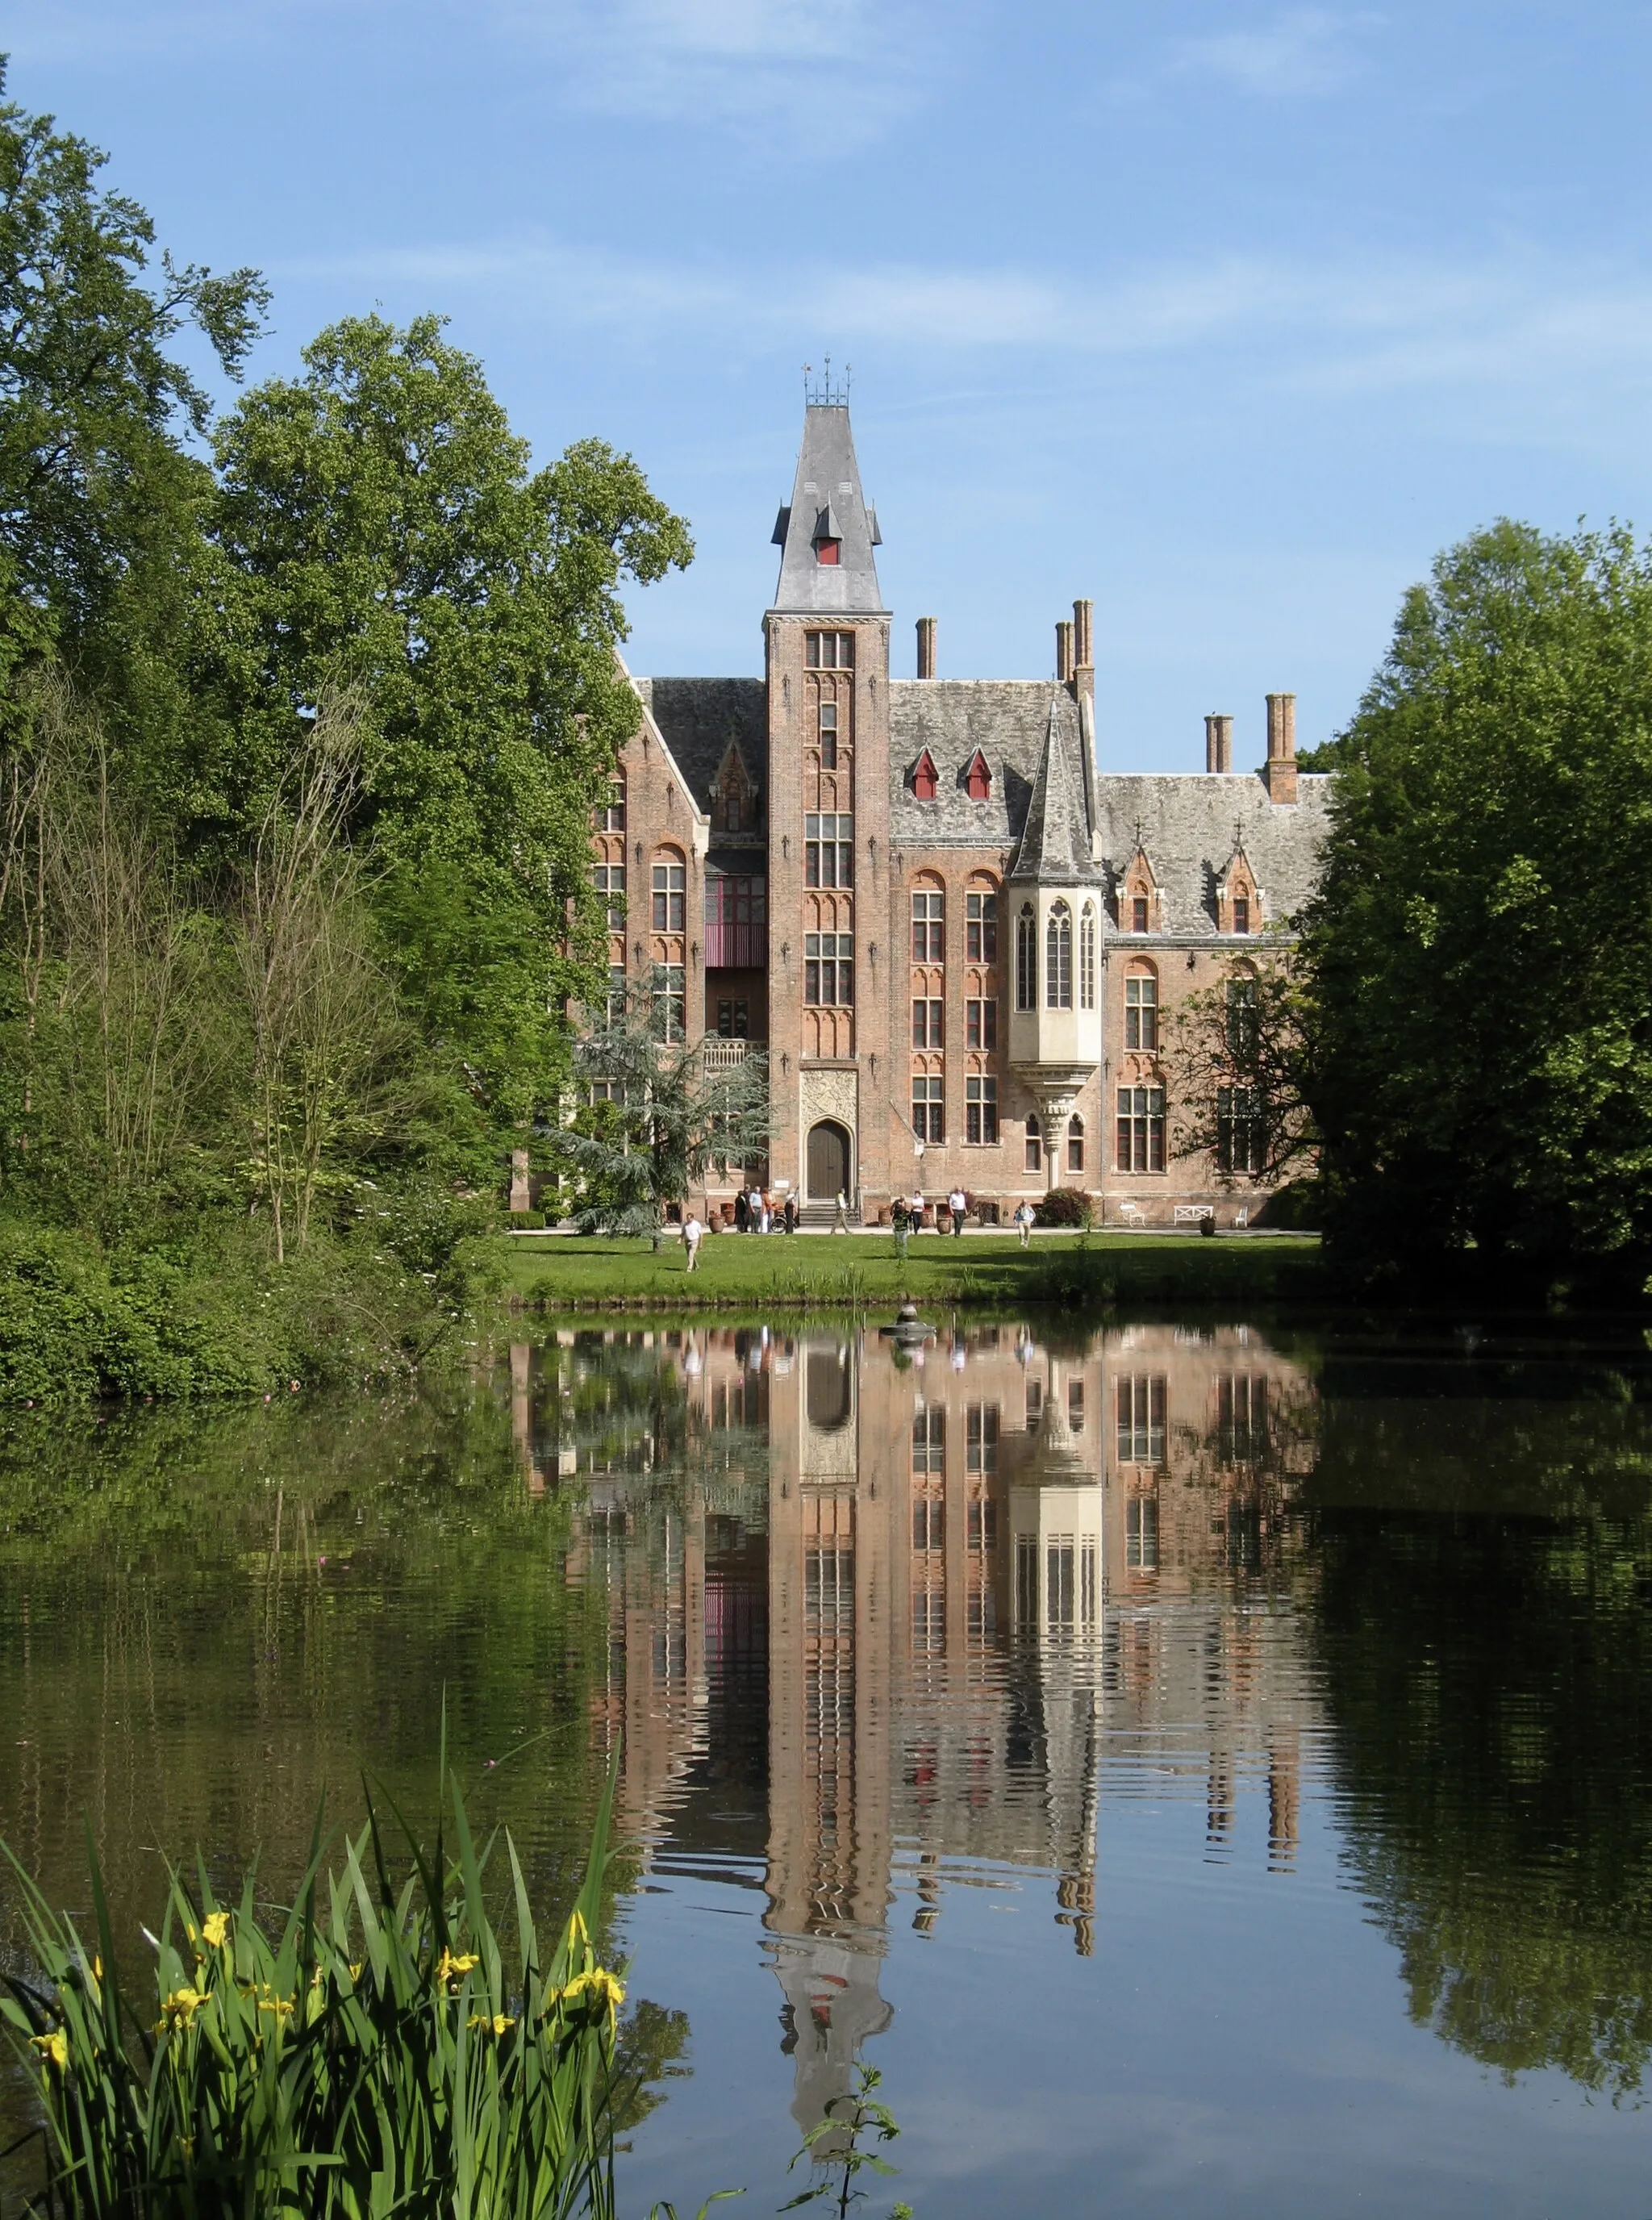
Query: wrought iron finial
{"x": 823, "y": 394}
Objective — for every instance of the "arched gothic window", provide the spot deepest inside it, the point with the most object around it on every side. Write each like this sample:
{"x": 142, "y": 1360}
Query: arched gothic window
{"x": 1026, "y": 959}
{"x": 1058, "y": 959}
{"x": 1075, "y": 1144}
{"x": 1086, "y": 958}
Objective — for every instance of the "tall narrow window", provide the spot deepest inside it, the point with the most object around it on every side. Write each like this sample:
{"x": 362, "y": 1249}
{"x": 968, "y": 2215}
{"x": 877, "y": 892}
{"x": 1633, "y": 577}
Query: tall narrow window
{"x": 1138, "y": 914}
{"x": 981, "y": 927}
{"x": 1086, "y": 958}
{"x": 1075, "y": 1144}
{"x": 1058, "y": 959}
{"x": 1240, "y": 1135}
{"x": 1142, "y": 1011}
{"x": 981, "y": 1112}
{"x": 1026, "y": 959}
{"x": 611, "y": 814}
{"x": 831, "y": 651}
{"x": 980, "y": 1024}
{"x": 610, "y": 879}
{"x": 928, "y": 1012}
{"x": 1034, "y": 1146}
{"x": 928, "y": 928}
{"x": 1244, "y": 1016}
{"x": 828, "y": 736}
{"x": 1141, "y": 1129}
{"x": 928, "y": 1109}
{"x": 1140, "y": 1403}
{"x": 1242, "y": 912}
{"x": 670, "y": 898}
{"x": 669, "y": 1001}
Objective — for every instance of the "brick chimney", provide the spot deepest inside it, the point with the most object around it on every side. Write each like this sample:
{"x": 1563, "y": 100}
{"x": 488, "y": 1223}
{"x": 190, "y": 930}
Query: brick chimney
{"x": 1064, "y": 652}
{"x": 926, "y": 647}
{"x": 1218, "y": 744}
{"x": 1280, "y": 773}
{"x": 1084, "y": 650}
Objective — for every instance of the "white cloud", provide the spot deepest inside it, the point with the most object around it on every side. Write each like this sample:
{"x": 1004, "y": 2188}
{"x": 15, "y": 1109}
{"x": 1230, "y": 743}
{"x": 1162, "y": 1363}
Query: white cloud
{"x": 1517, "y": 322}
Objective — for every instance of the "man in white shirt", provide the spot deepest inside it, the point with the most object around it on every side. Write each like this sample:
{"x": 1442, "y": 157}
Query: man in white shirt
{"x": 692, "y": 1230}
{"x": 958, "y": 1203}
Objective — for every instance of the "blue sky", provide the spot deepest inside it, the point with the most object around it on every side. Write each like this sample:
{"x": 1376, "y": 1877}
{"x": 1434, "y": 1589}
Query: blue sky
{"x": 1227, "y": 316}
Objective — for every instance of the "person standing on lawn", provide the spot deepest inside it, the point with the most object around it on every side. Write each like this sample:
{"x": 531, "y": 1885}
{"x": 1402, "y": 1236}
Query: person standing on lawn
{"x": 840, "y": 1216}
{"x": 692, "y": 1230}
{"x": 916, "y": 1207}
{"x": 791, "y": 1213}
{"x": 958, "y": 1203}
{"x": 1024, "y": 1219}
{"x": 742, "y": 1213}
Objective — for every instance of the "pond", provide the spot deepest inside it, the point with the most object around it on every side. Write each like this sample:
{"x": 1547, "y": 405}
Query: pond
{"x": 1194, "y": 1763}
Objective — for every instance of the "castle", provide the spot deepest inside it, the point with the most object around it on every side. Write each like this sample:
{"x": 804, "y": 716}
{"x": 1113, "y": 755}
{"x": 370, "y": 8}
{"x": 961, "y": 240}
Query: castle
{"x": 959, "y": 939}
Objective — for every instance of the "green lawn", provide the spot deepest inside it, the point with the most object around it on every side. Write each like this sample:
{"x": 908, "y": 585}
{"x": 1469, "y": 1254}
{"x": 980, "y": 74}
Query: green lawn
{"x": 558, "y": 1271}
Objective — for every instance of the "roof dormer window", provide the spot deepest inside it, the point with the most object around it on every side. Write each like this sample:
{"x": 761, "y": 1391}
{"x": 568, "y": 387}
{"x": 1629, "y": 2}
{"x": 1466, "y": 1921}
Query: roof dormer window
{"x": 827, "y": 550}
{"x": 926, "y": 779}
{"x": 828, "y": 537}
{"x": 978, "y": 779}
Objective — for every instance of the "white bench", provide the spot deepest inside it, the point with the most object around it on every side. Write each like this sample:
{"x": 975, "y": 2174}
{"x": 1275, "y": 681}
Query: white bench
{"x": 1189, "y": 1213}
{"x": 1133, "y": 1214}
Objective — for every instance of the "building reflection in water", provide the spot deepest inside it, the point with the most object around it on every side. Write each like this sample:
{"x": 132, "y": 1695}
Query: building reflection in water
{"x": 878, "y": 1625}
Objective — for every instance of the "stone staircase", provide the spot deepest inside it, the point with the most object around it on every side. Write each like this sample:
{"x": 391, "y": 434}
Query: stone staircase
{"x": 817, "y": 1217}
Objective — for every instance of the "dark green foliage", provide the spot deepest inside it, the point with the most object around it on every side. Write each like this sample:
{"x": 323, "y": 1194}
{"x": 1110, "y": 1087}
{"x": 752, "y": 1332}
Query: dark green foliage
{"x": 1479, "y": 959}
{"x": 1065, "y": 1205}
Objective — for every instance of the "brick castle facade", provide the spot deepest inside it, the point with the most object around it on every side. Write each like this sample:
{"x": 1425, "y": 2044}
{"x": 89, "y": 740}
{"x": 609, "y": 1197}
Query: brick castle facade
{"x": 958, "y": 938}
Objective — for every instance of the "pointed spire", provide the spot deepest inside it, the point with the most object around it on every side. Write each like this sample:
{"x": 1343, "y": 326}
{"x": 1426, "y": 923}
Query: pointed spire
{"x": 828, "y": 533}
{"x": 1055, "y": 845}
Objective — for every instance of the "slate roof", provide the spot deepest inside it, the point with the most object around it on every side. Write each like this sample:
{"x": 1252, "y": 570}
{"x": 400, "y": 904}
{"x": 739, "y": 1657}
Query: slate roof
{"x": 1008, "y": 718}
{"x": 1187, "y": 824}
{"x": 828, "y": 479}
{"x": 698, "y": 718}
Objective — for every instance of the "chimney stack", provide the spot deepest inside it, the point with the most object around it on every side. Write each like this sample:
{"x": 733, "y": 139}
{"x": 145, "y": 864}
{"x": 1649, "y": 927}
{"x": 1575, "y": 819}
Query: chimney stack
{"x": 1280, "y": 773}
{"x": 1064, "y": 652}
{"x": 1084, "y": 648}
{"x": 1218, "y": 744}
{"x": 926, "y": 647}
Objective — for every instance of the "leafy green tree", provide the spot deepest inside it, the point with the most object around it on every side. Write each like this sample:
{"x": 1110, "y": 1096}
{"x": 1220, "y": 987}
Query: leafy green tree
{"x": 378, "y": 527}
{"x": 96, "y": 478}
{"x": 1235, "y": 1058}
{"x": 669, "y": 1109}
{"x": 1479, "y": 957}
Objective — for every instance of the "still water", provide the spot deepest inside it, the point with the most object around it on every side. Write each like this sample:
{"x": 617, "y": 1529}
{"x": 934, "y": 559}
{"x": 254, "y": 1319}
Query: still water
{"x": 1197, "y": 1765}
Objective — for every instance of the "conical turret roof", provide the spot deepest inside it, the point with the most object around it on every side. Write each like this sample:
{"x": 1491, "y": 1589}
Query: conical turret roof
{"x": 1055, "y": 845}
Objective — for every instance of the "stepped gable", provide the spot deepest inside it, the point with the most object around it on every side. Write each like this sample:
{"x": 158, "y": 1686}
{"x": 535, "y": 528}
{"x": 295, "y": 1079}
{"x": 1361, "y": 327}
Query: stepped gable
{"x": 1008, "y": 718}
{"x": 1186, "y": 824}
{"x": 698, "y": 717}
{"x": 1054, "y": 849}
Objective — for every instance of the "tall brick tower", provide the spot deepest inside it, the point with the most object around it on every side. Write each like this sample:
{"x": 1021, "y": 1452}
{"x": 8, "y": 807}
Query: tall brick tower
{"x": 833, "y": 941}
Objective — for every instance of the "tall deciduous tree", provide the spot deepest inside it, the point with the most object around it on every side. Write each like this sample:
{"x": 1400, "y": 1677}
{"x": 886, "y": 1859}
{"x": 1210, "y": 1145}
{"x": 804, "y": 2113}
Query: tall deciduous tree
{"x": 1480, "y": 955}
{"x": 378, "y": 526}
{"x": 96, "y": 478}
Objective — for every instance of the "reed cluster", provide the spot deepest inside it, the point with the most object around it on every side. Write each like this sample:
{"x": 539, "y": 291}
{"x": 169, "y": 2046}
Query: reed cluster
{"x": 384, "y": 2050}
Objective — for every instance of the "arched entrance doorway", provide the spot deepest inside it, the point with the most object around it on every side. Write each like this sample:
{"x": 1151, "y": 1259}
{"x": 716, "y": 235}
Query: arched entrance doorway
{"x": 828, "y": 1161}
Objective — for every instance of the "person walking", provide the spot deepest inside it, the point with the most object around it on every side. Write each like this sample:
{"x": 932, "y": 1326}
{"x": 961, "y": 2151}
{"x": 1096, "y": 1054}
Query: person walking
{"x": 754, "y": 1211}
{"x": 900, "y": 1225}
{"x": 692, "y": 1230}
{"x": 916, "y": 1207}
{"x": 1024, "y": 1219}
{"x": 791, "y": 1212}
{"x": 742, "y": 1213}
{"x": 840, "y": 1216}
{"x": 958, "y": 1203}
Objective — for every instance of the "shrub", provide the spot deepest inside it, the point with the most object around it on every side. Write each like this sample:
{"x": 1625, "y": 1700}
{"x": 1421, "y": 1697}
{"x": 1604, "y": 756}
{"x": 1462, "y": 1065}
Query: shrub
{"x": 1065, "y": 1205}
{"x": 378, "y": 2055}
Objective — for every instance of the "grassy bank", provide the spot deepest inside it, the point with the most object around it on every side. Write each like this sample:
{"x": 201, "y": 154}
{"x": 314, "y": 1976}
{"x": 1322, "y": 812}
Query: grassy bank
{"x": 568, "y": 1272}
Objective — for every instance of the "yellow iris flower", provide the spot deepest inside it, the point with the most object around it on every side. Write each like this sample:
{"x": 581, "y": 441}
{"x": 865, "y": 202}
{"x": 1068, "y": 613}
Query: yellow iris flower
{"x": 215, "y": 1929}
{"x": 179, "y": 2008}
{"x": 450, "y": 1968}
{"x": 598, "y": 1987}
{"x": 54, "y": 2047}
{"x": 501, "y": 2024}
